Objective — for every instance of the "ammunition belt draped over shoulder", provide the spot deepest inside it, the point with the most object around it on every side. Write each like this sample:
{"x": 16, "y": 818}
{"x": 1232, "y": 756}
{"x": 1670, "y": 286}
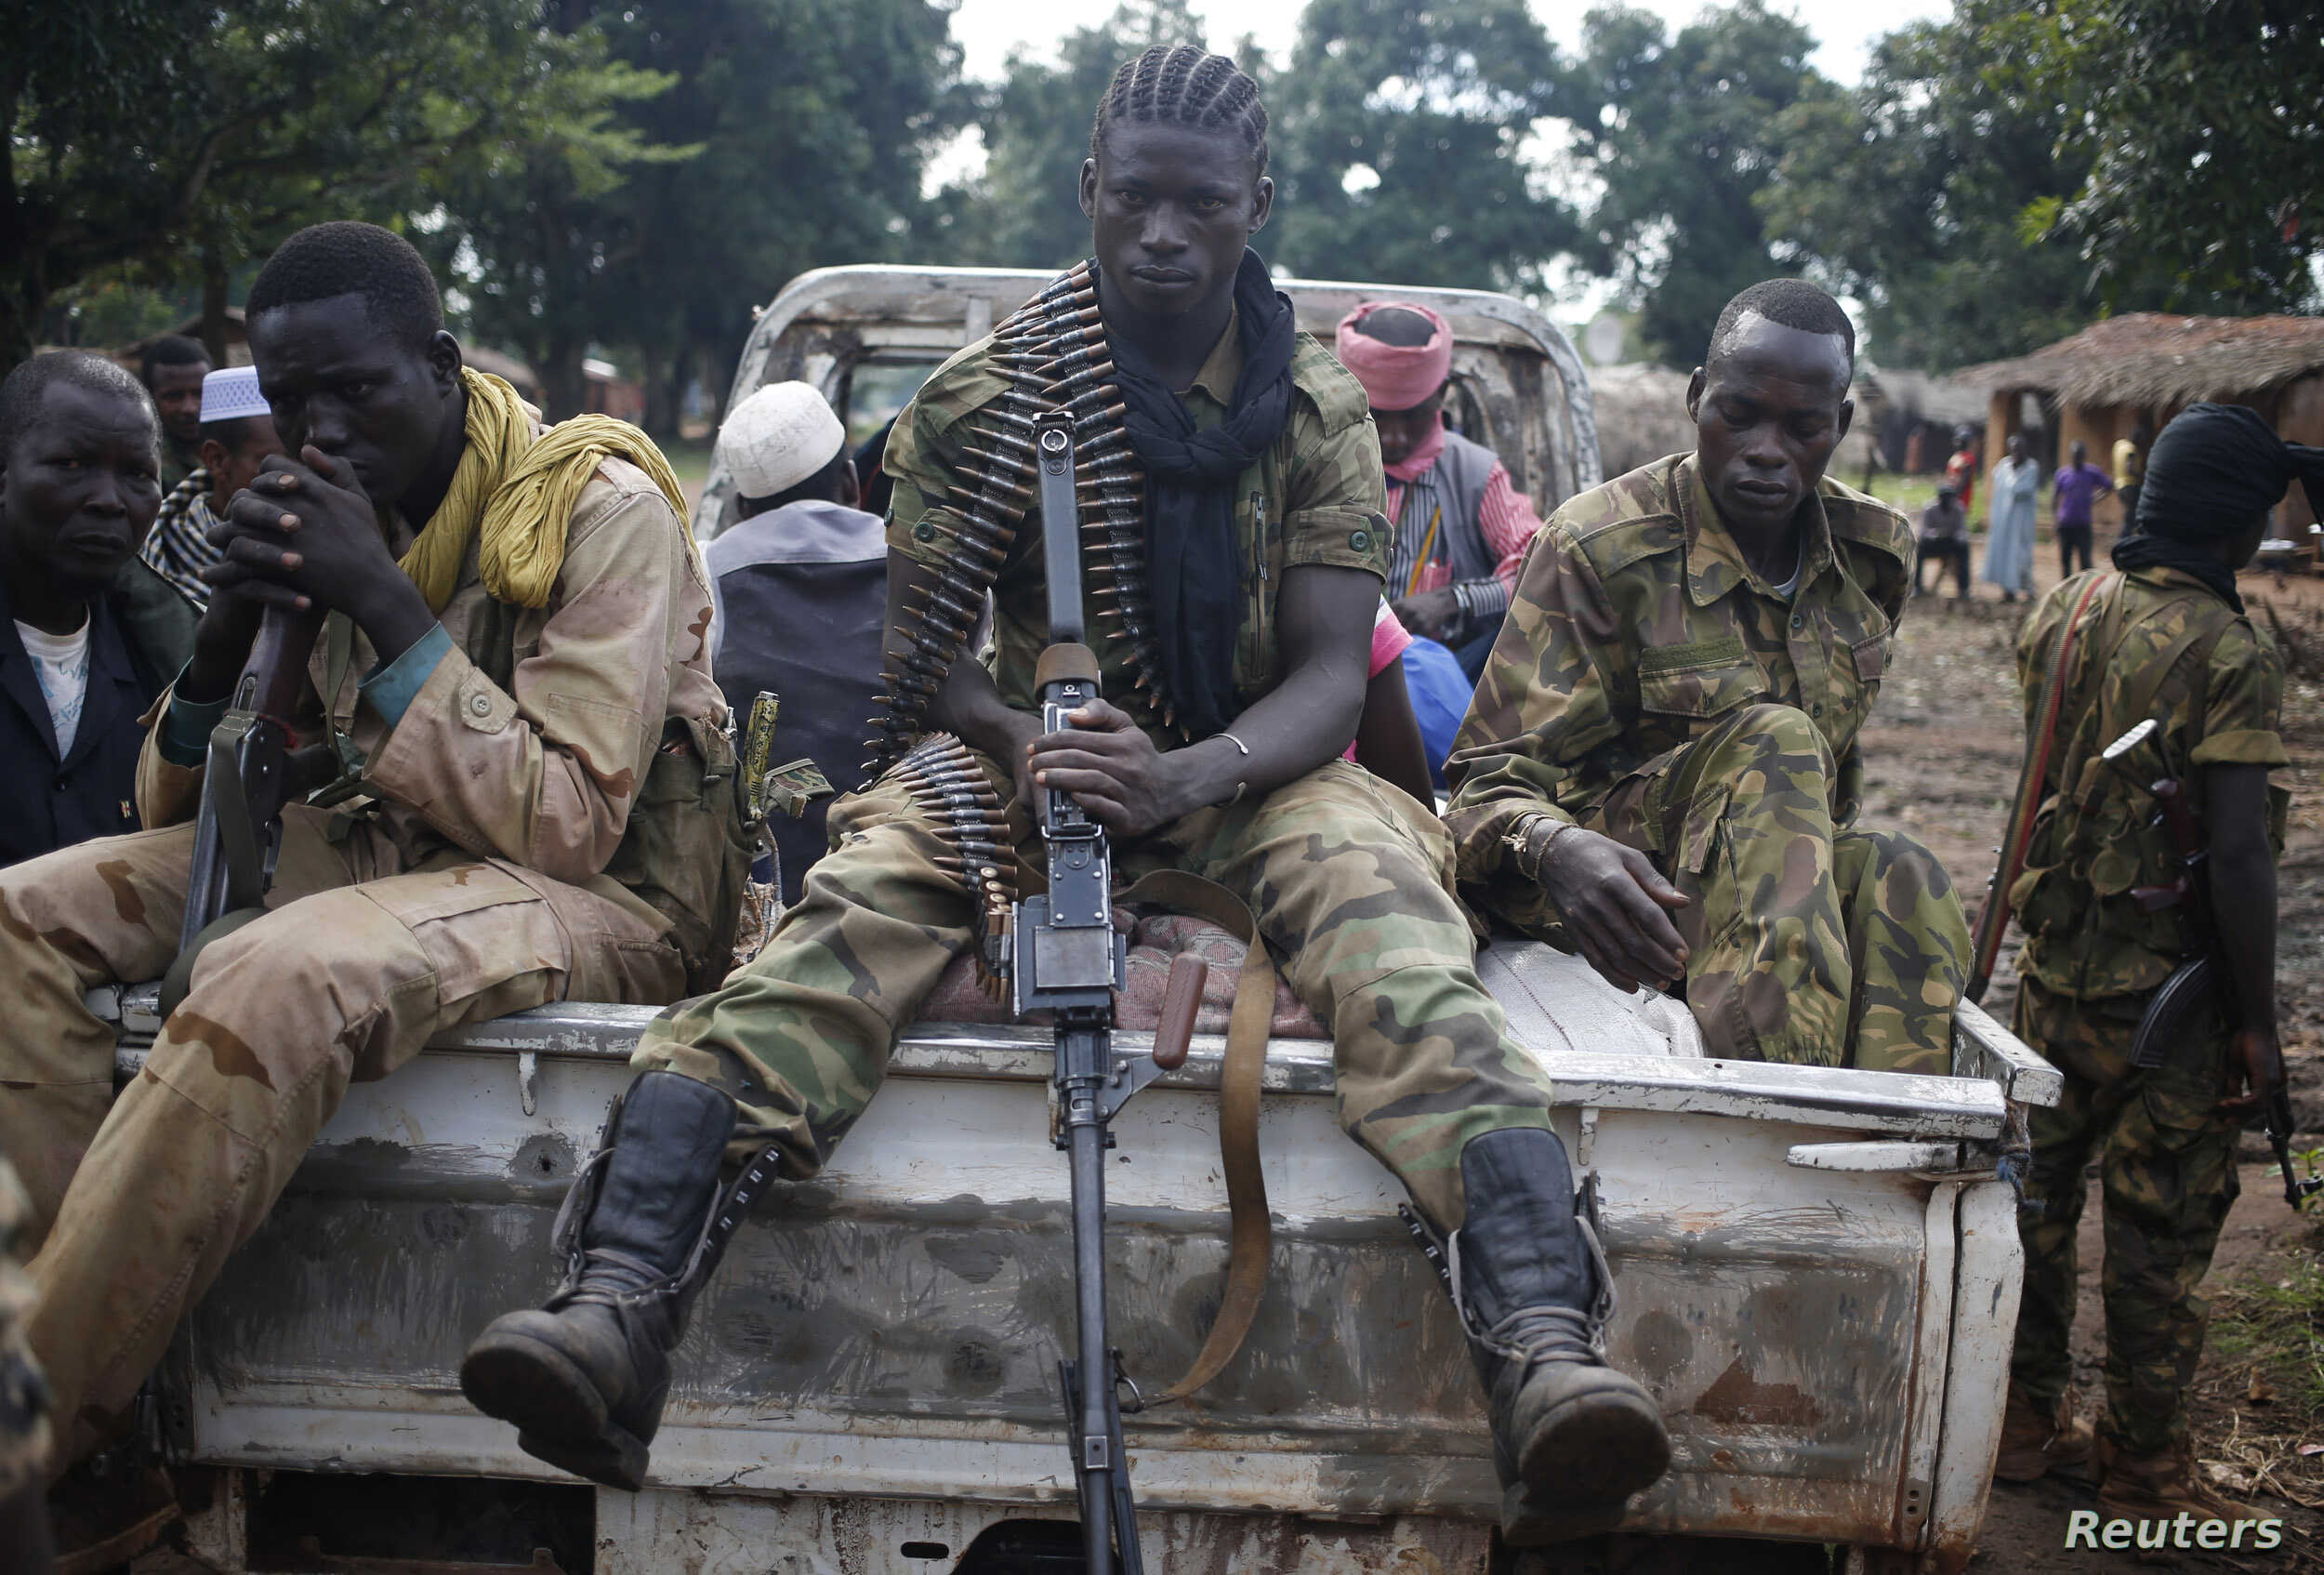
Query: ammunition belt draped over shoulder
{"x": 1053, "y": 351}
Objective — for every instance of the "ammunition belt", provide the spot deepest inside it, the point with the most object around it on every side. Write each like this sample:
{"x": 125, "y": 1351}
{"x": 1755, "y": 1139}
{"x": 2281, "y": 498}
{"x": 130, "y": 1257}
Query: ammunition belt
{"x": 1054, "y": 353}
{"x": 943, "y": 780}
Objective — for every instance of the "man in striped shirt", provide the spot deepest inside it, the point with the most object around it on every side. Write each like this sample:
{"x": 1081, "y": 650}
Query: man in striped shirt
{"x": 1461, "y": 526}
{"x": 237, "y": 437}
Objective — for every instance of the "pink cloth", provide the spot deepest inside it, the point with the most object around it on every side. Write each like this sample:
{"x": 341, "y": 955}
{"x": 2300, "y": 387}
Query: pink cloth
{"x": 1395, "y": 376}
{"x": 1389, "y": 642}
{"x": 1504, "y": 515}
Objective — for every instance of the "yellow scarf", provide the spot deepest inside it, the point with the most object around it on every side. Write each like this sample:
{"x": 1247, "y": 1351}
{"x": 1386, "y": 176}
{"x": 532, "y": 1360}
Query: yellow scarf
{"x": 518, "y": 491}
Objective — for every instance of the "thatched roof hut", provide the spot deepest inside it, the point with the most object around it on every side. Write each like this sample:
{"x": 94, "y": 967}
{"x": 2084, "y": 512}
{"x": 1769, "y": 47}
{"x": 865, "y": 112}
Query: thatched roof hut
{"x": 1642, "y": 415}
{"x": 2143, "y": 367}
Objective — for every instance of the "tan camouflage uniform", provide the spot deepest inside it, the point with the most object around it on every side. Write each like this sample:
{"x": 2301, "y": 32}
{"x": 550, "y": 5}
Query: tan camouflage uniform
{"x": 1351, "y": 880}
{"x": 1651, "y": 686}
{"x": 23, "y": 1393}
{"x": 2091, "y": 959}
{"x": 474, "y": 884}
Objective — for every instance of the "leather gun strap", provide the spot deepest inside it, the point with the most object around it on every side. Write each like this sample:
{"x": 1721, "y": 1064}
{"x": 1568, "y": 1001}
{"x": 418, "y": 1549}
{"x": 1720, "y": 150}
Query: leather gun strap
{"x": 1252, "y": 1233}
{"x": 1994, "y": 921}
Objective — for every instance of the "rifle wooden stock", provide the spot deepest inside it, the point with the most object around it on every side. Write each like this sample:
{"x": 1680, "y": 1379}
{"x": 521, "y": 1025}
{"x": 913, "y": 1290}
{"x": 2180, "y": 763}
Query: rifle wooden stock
{"x": 246, "y": 781}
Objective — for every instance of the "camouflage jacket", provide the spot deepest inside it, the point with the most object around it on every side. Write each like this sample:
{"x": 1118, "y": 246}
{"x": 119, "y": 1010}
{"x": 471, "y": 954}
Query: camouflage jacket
{"x": 1315, "y": 496}
{"x": 544, "y": 769}
{"x": 2153, "y": 643}
{"x": 23, "y": 1396}
{"x": 1637, "y": 625}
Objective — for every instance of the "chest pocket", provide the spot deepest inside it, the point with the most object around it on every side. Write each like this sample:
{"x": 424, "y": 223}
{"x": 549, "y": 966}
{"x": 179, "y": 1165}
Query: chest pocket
{"x": 1704, "y": 680}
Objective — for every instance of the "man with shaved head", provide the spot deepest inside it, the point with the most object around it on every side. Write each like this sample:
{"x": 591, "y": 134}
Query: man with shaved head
{"x": 1661, "y": 769}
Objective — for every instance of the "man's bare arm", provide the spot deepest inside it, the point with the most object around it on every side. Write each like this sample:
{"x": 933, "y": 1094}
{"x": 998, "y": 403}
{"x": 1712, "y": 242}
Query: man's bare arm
{"x": 2243, "y": 888}
{"x": 967, "y": 704}
{"x": 1117, "y": 775}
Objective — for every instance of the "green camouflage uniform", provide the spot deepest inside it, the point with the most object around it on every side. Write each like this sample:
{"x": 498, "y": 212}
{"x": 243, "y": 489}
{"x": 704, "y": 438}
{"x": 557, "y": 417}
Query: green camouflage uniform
{"x": 1349, "y": 881}
{"x": 1650, "y": 685}
{"x": 2154, "y": 643}
{"x": 24, "y": 1394}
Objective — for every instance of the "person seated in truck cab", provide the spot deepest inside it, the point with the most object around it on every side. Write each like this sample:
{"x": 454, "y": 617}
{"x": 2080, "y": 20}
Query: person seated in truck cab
{"x": 1662, "y": 768}
{"x": 515, "y": 657}
{"x": 1264, "y": 550}
{"x": 1460, "y": 528}
{"x": 799, "y": 584}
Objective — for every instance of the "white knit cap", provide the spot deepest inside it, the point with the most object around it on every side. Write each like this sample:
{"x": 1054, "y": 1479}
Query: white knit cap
{"x": 232, "y": 392}
{"x": 779, "y": 437}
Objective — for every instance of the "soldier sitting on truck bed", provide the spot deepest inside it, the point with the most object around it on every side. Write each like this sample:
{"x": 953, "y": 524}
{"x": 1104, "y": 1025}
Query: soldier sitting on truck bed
{"x": 516, "y": 658}
{"x": 1264, "y": 540}
{"x": 1661, "y": 767}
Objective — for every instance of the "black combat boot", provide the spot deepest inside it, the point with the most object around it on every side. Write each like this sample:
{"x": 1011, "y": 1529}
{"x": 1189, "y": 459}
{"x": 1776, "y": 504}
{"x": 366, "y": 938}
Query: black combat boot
{"x": 584, "y": 1378}
{"x": 1572, "y": 1437}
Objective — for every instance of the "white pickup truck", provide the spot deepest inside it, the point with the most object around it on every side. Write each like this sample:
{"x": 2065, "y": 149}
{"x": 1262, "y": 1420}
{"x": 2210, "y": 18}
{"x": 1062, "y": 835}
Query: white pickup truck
{"x": 1817, "y": 1268}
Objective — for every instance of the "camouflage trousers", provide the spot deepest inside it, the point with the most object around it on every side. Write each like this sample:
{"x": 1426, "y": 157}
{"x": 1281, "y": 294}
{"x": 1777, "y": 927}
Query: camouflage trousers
{"x": 141, "y": 1197}
{"x": 1350, "y": 884}
{"x": 1806, "y": 942}
{"x": 2166, "y": 1172}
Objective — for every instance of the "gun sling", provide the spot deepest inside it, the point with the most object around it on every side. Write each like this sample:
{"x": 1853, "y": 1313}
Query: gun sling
{"x": 1993, "y": 922}
{"x": 1251, "y": 1235}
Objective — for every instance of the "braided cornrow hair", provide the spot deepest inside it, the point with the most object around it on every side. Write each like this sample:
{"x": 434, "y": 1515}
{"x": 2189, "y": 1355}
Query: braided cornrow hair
{"x": 1184, "y": 84}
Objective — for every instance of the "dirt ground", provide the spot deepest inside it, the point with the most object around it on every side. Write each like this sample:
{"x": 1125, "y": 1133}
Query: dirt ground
{"x": 1942, "y": 755}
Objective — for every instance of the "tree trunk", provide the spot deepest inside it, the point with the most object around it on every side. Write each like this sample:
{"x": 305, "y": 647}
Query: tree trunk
{"x": 213, "y": 303}
{"x": 665, "y": 389}
{"x": 565, "y": 388}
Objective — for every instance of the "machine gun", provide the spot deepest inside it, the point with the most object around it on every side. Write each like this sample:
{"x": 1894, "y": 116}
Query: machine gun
{"x": 2202, "y": 984}
{"x": 1066, "y": 960}
{"x": 250, "y": 777}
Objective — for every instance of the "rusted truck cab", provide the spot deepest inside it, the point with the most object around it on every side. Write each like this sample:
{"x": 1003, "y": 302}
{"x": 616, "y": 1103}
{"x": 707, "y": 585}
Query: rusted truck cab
{"x": 1818, "y": 1269}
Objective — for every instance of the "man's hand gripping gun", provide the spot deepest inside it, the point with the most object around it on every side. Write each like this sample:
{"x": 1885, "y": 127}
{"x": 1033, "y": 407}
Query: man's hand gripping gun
{"x": 253, "y": 770}
{"x": 1066, "y": 960}
{"x": 2204, "y": 983}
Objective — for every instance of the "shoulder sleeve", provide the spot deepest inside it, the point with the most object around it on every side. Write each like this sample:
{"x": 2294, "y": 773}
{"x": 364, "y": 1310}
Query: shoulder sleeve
{"x": 1547, "y": 698}
{"x": 2243, "y": 701}
{"x": 1335, "y": 489}
{"x": 924, "y": 450}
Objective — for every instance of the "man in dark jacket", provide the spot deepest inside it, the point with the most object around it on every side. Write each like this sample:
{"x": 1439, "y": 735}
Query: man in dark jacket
{"x": 92, "y": 635}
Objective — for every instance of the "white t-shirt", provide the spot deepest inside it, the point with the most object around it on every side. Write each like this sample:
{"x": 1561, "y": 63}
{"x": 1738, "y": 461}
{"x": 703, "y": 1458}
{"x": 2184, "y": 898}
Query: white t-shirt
{"x": 61, "y": 662}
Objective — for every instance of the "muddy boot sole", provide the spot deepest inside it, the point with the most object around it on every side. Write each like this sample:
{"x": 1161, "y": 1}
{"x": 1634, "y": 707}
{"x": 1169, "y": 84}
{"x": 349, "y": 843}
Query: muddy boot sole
{"x": 1597, "y": 1447}
{"x": 559, "y": 1414}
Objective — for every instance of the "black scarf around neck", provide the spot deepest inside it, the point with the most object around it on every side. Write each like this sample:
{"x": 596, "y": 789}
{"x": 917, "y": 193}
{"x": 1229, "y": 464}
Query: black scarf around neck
{"x": 1193, "y": 569}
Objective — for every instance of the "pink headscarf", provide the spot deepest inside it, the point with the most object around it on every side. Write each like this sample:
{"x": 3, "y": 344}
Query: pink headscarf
{"x": 1395, "y": 376}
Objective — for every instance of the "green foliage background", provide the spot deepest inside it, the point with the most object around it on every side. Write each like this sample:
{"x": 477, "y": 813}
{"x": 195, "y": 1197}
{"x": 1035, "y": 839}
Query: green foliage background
{"x": 633, "y": 179}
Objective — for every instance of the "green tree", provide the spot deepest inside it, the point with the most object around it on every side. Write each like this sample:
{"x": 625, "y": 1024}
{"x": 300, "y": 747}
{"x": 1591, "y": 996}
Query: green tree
{"x": 186, "y": 138}
{"x": 1401, "y": 134}
{"x": 2200, "y": 129}
{"x": 1907, "y": 193}
{"x": 809, "y": 122}
{"x": 1681, "y": 134}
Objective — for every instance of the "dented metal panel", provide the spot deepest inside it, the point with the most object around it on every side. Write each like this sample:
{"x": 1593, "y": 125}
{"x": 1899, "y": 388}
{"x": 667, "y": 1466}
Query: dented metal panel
{"x": 887, "y": 1334}
{"x": 1518, "y": 385}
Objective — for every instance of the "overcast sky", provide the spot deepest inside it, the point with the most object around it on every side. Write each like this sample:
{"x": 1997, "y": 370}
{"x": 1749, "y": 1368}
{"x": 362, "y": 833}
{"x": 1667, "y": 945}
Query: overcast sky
{"x": 989, "y": 29}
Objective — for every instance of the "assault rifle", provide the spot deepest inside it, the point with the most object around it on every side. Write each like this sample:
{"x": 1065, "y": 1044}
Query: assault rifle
{"x": 1068, "y": 961}
{"x": 2203, "y": 984}
{"x": 250, "y": 775}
